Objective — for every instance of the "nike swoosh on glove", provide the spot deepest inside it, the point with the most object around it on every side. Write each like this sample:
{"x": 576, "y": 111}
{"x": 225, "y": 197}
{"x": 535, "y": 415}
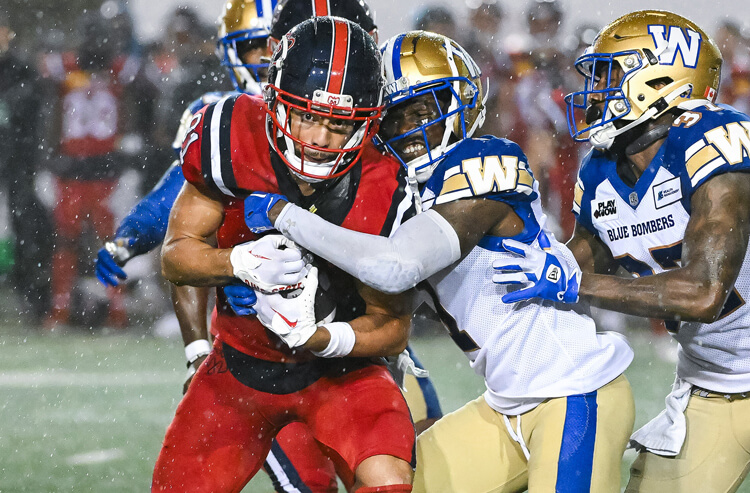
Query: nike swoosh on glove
{"x": 542, "y": 273}
{"x": 292, "y": 319}
{"x": 270, "y": 264}
{"x": 257, "y": 206}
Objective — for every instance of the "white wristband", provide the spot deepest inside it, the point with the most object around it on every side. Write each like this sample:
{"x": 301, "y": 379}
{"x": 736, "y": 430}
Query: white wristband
{"x": 196, "y": 349}
{"x": 342, "y": 340}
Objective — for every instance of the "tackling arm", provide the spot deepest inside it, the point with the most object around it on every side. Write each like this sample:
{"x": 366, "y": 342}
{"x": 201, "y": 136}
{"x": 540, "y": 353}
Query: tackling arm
{"x": 191, "y": 305}
{"x": 714, "y": 248}
{"x": 590, "y": 252}
{"x": 419, "y": 248}
{"x": 147, "y": 220}
{"x": 141, "y": 230}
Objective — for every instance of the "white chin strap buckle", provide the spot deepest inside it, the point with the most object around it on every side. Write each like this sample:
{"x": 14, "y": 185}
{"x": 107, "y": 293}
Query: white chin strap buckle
{"x": 604, "y": 136}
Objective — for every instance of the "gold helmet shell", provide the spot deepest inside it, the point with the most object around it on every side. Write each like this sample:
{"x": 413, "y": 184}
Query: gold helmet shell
{"x": 420, "y": 62}
{"x": 666, "y": 60}
{"x": 244, "y": 21}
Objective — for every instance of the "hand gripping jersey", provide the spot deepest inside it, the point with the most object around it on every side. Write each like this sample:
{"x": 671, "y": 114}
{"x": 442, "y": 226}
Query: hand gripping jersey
{"x": 527, "y": 352}
{"x": 643, "y": 226}
{"x": 226, "y": 153}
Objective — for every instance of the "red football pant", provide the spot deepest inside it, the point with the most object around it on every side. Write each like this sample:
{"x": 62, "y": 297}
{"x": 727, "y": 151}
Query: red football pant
{"x": 297, "y": 461}
{"x": 222, "y": 429}
{"x": 79, "y": 203}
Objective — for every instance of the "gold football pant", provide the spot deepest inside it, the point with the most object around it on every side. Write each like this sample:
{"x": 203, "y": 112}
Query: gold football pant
{"x": 575, "y": 444}
{"x": 715, "y": 457}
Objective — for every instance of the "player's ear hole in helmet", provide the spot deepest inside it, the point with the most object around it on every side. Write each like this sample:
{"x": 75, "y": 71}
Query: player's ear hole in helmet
{"x": 325, "y": 71}
{"x": 429, "y": 70}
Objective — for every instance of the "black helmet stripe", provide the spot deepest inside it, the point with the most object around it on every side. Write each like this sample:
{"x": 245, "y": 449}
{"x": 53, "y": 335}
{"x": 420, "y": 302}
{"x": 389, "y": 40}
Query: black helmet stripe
{"x": 339, "y": 57}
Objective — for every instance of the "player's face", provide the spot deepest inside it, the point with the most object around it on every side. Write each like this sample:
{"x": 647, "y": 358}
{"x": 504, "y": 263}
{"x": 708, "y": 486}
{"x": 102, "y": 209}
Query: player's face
{"x": 252, "y": 53}
{"x": 409, "y": 116}
{"x": 319, "y": 131}
{"x": 603, "y": 79}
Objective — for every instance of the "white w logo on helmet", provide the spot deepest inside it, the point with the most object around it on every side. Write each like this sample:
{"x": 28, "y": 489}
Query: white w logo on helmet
{"x": 668, "y": 47}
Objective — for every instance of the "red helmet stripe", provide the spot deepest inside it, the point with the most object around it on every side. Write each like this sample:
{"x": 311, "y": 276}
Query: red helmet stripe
{"x": 339, "y": 56}
{"x": 321, "y": 8}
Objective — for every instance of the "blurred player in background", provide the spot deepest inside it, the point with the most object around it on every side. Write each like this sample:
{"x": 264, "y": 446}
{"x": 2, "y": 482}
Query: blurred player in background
{"x": 320, "y": 111}
{"x": 102, "y": 111}
{"x": 665, "y": 194}
{"x": 557, "y": 412}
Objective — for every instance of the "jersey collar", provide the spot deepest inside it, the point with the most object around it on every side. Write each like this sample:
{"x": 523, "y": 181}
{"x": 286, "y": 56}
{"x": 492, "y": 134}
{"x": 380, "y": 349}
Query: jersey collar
{"x": 634, "y": 195}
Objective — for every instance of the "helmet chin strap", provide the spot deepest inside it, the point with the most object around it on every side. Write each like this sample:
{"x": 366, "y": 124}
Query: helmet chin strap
{"x": 411, "y": 175}
{"x": 604, "y": 136}
{"x": 649, "y": 137}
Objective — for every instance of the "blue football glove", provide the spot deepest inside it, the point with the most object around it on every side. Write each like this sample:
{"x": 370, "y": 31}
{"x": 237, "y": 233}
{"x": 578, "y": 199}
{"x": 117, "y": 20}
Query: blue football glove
{"x": 542, "y": 273}
{"x": 257, "y": 206}
{"x": 241, "y": 298}
{"x": 110, "y": 259}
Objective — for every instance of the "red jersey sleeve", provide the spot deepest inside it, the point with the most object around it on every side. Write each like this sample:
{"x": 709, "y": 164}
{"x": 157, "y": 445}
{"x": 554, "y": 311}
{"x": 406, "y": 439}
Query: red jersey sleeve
{"x": 190, "y": 150}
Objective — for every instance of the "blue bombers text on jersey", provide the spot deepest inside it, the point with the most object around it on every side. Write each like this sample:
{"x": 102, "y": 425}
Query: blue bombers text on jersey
{"x": 644, "y": 226}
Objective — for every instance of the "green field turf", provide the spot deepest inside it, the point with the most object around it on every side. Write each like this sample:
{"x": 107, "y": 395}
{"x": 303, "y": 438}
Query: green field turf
{"x": 84, "y": 412}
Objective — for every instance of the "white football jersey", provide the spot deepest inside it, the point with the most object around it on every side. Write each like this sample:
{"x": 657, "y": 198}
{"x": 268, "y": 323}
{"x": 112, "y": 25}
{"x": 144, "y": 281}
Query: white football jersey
{"x": 644, "y": 226}
{"x": 530, "y": 351}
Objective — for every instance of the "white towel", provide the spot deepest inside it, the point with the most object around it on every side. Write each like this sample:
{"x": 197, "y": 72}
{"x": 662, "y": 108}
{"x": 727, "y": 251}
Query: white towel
{"x": 665, "y": 434}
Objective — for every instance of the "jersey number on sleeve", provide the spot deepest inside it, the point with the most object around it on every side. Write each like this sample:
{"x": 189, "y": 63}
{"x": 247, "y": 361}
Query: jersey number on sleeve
{"x": 668, "y": 257}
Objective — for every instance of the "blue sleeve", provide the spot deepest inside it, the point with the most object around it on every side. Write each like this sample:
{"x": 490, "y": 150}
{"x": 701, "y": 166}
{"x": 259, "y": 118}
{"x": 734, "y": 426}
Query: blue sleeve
{"x": 589, "y": 175}
{"x": 147, "y": 220}
{"x": 718, "y": 143}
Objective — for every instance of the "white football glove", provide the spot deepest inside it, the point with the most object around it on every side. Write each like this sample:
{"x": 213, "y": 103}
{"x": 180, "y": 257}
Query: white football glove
{"x": 267, "y": 267}
{"x": 292, "y": 319}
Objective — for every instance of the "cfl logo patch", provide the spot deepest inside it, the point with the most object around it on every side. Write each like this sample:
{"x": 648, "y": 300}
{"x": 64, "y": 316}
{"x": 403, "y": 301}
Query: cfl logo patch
{"x": 553, "y": 273}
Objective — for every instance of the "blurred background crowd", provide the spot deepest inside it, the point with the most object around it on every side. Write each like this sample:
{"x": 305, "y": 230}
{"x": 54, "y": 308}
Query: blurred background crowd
{"x": 88, "y": 113}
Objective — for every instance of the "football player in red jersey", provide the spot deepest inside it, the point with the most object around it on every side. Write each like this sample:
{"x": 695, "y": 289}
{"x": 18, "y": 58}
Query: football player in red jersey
{"x": 321, "y": 109}
{"x": 97, "y": 131}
